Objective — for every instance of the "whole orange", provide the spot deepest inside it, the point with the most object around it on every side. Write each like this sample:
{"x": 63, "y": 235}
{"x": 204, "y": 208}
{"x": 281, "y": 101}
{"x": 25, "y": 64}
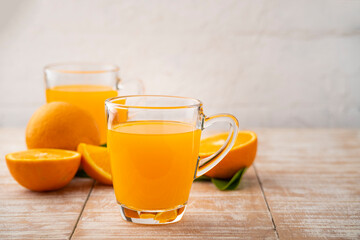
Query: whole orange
{"x": 61, "y": 125}
{"x": 43, "y": 169}
{"x": 241, "y": 155}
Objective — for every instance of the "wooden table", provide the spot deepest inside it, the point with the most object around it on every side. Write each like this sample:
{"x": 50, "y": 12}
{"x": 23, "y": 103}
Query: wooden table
{"x": 305, "y": 183}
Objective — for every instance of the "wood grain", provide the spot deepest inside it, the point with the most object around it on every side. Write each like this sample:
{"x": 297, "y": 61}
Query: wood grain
{"x": 211, "y": 214}
{"x": 311, "y": 182}
{"x": 30, "y": 215}
{"x": 307, "y": 178}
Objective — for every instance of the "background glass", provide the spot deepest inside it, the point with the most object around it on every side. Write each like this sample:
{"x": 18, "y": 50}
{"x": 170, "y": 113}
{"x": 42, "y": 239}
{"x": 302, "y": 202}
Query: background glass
{"x": 86, "y": 85}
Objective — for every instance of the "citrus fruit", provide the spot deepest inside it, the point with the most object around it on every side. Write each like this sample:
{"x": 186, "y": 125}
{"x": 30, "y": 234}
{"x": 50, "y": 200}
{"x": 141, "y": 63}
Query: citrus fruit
{"x": 147, "y": 215}
{"x": 241, "y": 155}
{"x": 95, "y": 161}
{"x": 61, "y": 125}
{"x": 43, "y": 169}
{"x": 164, "y": 217}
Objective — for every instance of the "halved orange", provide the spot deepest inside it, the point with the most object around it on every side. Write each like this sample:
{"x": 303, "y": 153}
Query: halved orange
{"x": 95, "y": 161}
{"x": 241, "y": 155}
{"x": 43, "y": 169}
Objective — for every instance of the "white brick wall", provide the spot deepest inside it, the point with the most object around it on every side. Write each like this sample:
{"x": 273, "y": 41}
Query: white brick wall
{"x": 271, "y": 63}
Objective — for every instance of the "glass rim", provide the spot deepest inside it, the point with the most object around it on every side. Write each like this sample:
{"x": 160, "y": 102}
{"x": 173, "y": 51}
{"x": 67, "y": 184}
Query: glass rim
{"x": 98, "y": 67}
{"x": 197, "y": 103}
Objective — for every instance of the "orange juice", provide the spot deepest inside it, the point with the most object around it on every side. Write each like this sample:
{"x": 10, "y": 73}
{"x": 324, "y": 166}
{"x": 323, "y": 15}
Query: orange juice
{"x": 153, "y": 163}
{"x": 89, "y": 97}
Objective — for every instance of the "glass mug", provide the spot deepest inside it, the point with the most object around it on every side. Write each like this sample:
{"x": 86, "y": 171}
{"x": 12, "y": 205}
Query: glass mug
{"x": 153, "y": 142}
{"x": 86, "y": 85}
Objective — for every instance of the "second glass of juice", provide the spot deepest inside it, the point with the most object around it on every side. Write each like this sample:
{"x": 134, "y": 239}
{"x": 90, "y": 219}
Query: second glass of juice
{"x": 84, "y": 85}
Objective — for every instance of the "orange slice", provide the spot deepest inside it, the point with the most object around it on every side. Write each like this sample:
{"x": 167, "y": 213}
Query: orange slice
{"x": 43, "y": 169}
{"x": 168, "y": 216}
{"x": 147, "y": 215}
{"x": 241, "y": 155}
{"x": 95, "y": 161}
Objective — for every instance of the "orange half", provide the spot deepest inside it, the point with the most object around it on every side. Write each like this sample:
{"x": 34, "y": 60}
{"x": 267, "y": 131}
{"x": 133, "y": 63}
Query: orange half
{"x": 43, "y": 169}
{"x": 241, "y": 155}
{"x": 95, "y": 161}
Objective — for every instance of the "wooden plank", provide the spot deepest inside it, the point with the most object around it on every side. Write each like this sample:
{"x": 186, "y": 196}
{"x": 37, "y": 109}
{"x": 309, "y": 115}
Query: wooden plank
{"x": 309, "y": 177}
{"x": 30, "y": 215}
{"x": 211, "y": 214}
{"x": 311, "y": 182}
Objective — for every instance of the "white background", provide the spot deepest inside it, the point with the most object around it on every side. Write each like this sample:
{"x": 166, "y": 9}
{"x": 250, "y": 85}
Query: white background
{"x": 271, "y": 63}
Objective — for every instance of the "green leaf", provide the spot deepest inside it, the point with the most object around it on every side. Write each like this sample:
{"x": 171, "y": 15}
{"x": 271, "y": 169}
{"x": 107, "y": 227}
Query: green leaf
{"x": 202, "y": 178}
{"x": 103, "y": 145}
{"x": 231, "y": 184}
{"x": 82, "y": 174}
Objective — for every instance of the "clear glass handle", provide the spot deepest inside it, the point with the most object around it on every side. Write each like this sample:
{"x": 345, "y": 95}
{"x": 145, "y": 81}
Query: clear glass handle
{"x": 131, "y": 87}
{"x": 208, "y": 163}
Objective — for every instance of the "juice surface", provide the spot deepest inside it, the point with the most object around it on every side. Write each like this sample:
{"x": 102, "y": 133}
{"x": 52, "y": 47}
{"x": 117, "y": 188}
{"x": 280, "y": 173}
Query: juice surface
{"x": 88, "y": 97}
{"x": 153, "y": 163}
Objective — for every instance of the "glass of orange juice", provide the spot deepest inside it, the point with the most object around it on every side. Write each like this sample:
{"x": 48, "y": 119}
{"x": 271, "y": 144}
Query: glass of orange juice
{"x": 154, "y": 153}
{"x": 85, "y": 85}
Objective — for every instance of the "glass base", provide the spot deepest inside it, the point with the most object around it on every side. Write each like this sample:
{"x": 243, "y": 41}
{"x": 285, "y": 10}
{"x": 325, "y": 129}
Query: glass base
{"x": 152, "y": 217}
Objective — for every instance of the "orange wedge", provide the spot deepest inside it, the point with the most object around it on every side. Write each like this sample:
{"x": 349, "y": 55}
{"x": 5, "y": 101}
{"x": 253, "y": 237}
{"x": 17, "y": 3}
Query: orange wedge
{"x": 241, "y": 155}
{"x": 164, "y": 217}
{"x": 43, "y": 169}
{"x": 95, "y": 161}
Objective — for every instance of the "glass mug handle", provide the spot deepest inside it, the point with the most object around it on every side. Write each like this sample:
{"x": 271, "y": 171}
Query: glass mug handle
{"x": 206, "y": 164}
{"x": 132, "y": 87}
